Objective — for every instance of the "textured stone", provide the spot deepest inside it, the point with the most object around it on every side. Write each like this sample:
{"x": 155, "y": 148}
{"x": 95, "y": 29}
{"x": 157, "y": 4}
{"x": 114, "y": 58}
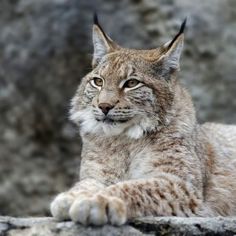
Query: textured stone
{"x": 187, "y": 226}
{"x": 175, "y": 226}
{"x": 46, "y": 226}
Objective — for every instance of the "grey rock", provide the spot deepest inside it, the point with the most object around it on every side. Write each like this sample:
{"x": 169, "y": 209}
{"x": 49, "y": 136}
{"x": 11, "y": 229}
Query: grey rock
{"x": 179, "y": 226}
{"x": 45, "y": 48}
{"x": 176, "y": 226}
{"x": 47, "y": 226}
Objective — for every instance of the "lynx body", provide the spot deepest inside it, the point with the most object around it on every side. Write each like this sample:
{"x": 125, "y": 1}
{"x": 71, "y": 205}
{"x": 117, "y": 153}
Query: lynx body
{"x": 143, "y": 151}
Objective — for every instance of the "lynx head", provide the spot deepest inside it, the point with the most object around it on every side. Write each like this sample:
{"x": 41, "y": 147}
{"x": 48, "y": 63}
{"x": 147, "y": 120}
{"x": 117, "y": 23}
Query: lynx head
{"x": 128, "y": 91}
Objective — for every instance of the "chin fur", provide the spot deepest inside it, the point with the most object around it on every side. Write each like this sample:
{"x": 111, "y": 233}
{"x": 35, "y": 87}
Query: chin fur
{"x": 88, "y": 124}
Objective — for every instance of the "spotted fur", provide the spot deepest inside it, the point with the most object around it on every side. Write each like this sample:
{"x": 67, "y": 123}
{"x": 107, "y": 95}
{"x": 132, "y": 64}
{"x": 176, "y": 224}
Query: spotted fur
{"x": 147, "y": 155}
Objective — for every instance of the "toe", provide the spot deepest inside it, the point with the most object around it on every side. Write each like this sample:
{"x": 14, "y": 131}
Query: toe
{"x": 80, "y": 210}
{"x": 60, "y": 206}
{"x": 117, "y": 212}
{"x": 98, "y": 212}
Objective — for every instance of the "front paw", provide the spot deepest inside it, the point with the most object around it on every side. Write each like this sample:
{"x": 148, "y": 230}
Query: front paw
{"x": 98, "y": 210}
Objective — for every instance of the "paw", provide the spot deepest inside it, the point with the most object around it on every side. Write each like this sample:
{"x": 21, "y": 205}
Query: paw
{"x": 60, "y": 206}
{"x": 98, "y": 210}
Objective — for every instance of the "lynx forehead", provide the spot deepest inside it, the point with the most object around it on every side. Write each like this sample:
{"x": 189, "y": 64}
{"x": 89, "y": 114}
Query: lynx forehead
{"x": 144, "y": 154}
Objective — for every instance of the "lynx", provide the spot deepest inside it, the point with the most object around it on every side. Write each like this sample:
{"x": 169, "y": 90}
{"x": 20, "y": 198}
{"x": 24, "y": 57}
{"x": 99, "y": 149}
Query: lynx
{"x": 144, "y": 154}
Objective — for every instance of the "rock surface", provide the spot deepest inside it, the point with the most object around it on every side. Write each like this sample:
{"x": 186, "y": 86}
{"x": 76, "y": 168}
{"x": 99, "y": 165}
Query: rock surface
{"x": 45, "y": 48}
{"x": 175, "y": 226}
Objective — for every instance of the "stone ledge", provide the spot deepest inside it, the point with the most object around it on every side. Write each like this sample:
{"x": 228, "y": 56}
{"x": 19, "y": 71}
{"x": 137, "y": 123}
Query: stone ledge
{"x": 177, "y": 226}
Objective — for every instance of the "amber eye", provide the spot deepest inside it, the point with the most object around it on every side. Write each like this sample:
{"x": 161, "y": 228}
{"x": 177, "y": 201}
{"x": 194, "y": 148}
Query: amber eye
{"x": 97, "y": 82}
{"x": 131, "y": 83}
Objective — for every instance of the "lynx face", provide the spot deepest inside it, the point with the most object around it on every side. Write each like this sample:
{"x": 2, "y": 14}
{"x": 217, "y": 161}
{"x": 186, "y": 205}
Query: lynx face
{"x": 128, "y": 91}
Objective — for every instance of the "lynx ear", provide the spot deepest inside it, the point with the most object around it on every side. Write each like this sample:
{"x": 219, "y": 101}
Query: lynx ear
{"x": 173, "y": 49}
{"x": 102, "y": 43}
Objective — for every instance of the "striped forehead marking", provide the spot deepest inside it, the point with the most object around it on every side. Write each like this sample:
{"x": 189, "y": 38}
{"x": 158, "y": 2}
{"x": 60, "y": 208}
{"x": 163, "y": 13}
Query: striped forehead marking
{"x": 117, "y": 68}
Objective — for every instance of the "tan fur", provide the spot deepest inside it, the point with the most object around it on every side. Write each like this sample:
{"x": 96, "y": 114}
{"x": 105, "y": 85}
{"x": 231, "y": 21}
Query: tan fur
{"x": 159, "y": 161}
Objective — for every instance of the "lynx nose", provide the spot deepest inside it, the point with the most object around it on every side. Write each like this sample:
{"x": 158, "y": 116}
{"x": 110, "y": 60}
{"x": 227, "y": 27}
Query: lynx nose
{"x": 105, "y": 107}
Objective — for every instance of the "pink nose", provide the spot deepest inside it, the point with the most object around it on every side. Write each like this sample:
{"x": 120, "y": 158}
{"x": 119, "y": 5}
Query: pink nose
{"x": 105, "y": 107}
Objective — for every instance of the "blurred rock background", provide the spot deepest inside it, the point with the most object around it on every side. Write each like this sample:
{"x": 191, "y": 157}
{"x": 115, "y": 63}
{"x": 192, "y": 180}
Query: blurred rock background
{"x": 45, "y": 48}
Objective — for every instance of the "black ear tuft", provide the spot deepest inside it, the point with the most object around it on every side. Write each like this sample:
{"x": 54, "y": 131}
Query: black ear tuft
{"x": 181, "y": 31}
{"x": 95, "y": 18}
{"x": 96, "y": 22}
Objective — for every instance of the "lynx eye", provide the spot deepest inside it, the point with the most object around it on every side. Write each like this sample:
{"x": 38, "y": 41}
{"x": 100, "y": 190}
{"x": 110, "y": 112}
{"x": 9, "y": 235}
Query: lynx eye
{"x": 131, "y": 83}
{"x": 96, "y": 82}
